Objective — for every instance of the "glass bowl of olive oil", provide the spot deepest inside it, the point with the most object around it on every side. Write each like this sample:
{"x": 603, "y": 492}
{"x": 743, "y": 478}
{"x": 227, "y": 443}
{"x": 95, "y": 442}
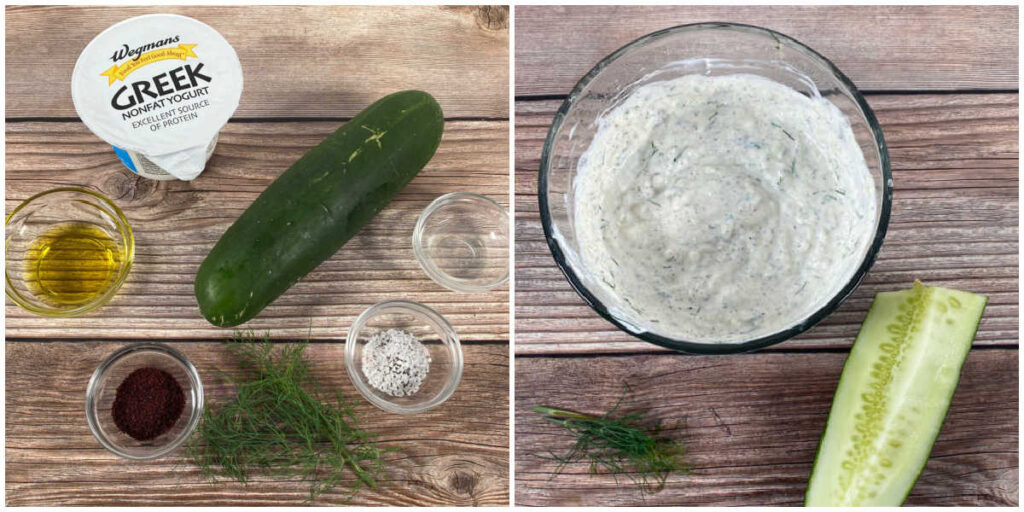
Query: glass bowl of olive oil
{"x": 68, "y": 251}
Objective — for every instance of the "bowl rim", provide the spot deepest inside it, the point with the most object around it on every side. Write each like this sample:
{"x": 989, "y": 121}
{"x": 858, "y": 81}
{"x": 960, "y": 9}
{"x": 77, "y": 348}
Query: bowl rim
{"x": 133, "y": 348}
{"x": 716, "y": 348}
{"x": 432, "y": 270}
{"x": 129, "y": 256}
{"x": 453, "y": 344}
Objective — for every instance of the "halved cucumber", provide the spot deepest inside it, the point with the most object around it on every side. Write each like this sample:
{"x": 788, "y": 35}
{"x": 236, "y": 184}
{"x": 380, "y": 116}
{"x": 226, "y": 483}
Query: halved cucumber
{"x": 893, "y": 395}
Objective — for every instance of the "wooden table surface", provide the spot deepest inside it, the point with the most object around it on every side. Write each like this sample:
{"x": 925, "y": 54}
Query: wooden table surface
{"x": 943, "y": 83}
{"x": 307, "y": 70}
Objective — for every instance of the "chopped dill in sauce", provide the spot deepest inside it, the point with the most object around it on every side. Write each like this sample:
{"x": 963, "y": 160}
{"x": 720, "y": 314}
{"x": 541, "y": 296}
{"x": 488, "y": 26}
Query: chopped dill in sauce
{"x": 738, "y": 205}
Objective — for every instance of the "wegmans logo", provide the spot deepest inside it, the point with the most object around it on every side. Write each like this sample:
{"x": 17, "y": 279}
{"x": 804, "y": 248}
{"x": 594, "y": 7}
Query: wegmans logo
{"x": 144, "y": 55}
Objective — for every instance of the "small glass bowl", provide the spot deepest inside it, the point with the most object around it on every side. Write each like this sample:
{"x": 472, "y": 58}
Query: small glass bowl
{"x": 102, "y": 388}
{"x": 461, "y": 241}
{"x": 39, "y": 214}
{"x": 711, "y": 49}
{"x": 431, "y": 329}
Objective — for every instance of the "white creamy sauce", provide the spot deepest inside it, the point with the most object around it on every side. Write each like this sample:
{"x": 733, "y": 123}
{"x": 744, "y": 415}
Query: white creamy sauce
{"x": 721, "y": 209}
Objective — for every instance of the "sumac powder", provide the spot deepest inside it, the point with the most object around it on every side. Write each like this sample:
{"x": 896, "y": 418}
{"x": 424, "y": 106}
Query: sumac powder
{"x": 148, "y": 403}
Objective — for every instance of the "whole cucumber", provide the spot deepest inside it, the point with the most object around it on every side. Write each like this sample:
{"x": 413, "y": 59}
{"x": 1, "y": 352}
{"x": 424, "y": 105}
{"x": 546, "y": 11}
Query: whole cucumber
{"x": 317, "y": 205}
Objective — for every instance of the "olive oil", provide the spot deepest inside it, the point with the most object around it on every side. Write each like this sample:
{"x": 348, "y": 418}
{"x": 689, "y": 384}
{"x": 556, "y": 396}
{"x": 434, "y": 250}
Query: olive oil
{"x": 72, "y": 264}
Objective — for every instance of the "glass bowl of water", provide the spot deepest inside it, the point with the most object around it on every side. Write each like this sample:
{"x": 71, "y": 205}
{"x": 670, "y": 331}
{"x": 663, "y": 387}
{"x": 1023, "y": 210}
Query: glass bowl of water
{"x": 461, "y": 241}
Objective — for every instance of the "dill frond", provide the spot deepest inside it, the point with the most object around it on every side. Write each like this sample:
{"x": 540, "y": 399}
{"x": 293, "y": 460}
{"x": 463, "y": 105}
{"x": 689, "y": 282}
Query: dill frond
{"x": 621, "y": 445}
{"x": 280, "y": 423}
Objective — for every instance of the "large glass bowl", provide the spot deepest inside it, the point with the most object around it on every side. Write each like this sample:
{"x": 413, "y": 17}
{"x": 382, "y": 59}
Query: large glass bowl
{"x": 712, "y": 49}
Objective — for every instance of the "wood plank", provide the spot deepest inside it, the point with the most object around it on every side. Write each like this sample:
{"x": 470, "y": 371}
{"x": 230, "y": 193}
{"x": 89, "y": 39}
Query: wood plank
{"x": 176, "y": 223}
{"x": 751, "y": 425}
{"x": 297, "y": 61}
{"x": 878, "y": 47}
{"x": 456, "y": 454}
{"x": 954, "y": 223}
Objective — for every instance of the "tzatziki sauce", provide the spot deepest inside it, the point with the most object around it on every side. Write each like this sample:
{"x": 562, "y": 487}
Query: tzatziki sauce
{"x": 721, "y": 209}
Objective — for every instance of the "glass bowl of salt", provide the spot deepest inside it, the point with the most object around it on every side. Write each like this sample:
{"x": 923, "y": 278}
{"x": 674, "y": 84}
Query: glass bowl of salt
{"x": 403, "y": 357}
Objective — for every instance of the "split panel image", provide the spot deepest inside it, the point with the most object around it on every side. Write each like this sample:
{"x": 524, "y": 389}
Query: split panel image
{"x": 257, "y": 255}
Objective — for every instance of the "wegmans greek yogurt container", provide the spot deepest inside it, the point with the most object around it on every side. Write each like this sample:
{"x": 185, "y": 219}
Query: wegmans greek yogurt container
{"x": 158, "y": 88}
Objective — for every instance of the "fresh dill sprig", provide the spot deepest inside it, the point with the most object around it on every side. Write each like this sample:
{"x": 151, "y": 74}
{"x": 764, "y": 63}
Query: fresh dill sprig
{"x": 620, "y": 445}
{"x": 279, "y": 423}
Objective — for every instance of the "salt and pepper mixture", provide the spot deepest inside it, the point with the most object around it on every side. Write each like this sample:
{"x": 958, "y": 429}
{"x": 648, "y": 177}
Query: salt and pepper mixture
{"x": 395, "y": 362}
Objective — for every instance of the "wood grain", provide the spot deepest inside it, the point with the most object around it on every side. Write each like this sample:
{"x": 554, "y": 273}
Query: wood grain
{"x": 456, "y": 454}
{"x": 954, "y": 223}
{"x": 297, "y": 61}
{"x": 751, "y": 424}
{"x": 176, "y": 223}
{"x": 878, "y": 47}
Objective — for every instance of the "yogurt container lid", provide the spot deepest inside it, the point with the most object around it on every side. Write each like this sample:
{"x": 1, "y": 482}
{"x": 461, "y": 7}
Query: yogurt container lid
{"x": 162, "y": 85}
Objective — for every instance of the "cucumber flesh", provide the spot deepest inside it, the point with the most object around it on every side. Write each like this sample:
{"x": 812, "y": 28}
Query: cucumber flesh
{"x": 893, "y": 395}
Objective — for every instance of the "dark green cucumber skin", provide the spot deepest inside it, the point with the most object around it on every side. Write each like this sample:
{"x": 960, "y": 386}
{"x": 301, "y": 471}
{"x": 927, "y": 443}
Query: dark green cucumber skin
{"x": 317, "y": 205}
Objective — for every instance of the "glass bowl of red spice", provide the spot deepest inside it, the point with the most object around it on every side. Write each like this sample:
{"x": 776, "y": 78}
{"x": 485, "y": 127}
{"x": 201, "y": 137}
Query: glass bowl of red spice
{"x": 144, "y": 401}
